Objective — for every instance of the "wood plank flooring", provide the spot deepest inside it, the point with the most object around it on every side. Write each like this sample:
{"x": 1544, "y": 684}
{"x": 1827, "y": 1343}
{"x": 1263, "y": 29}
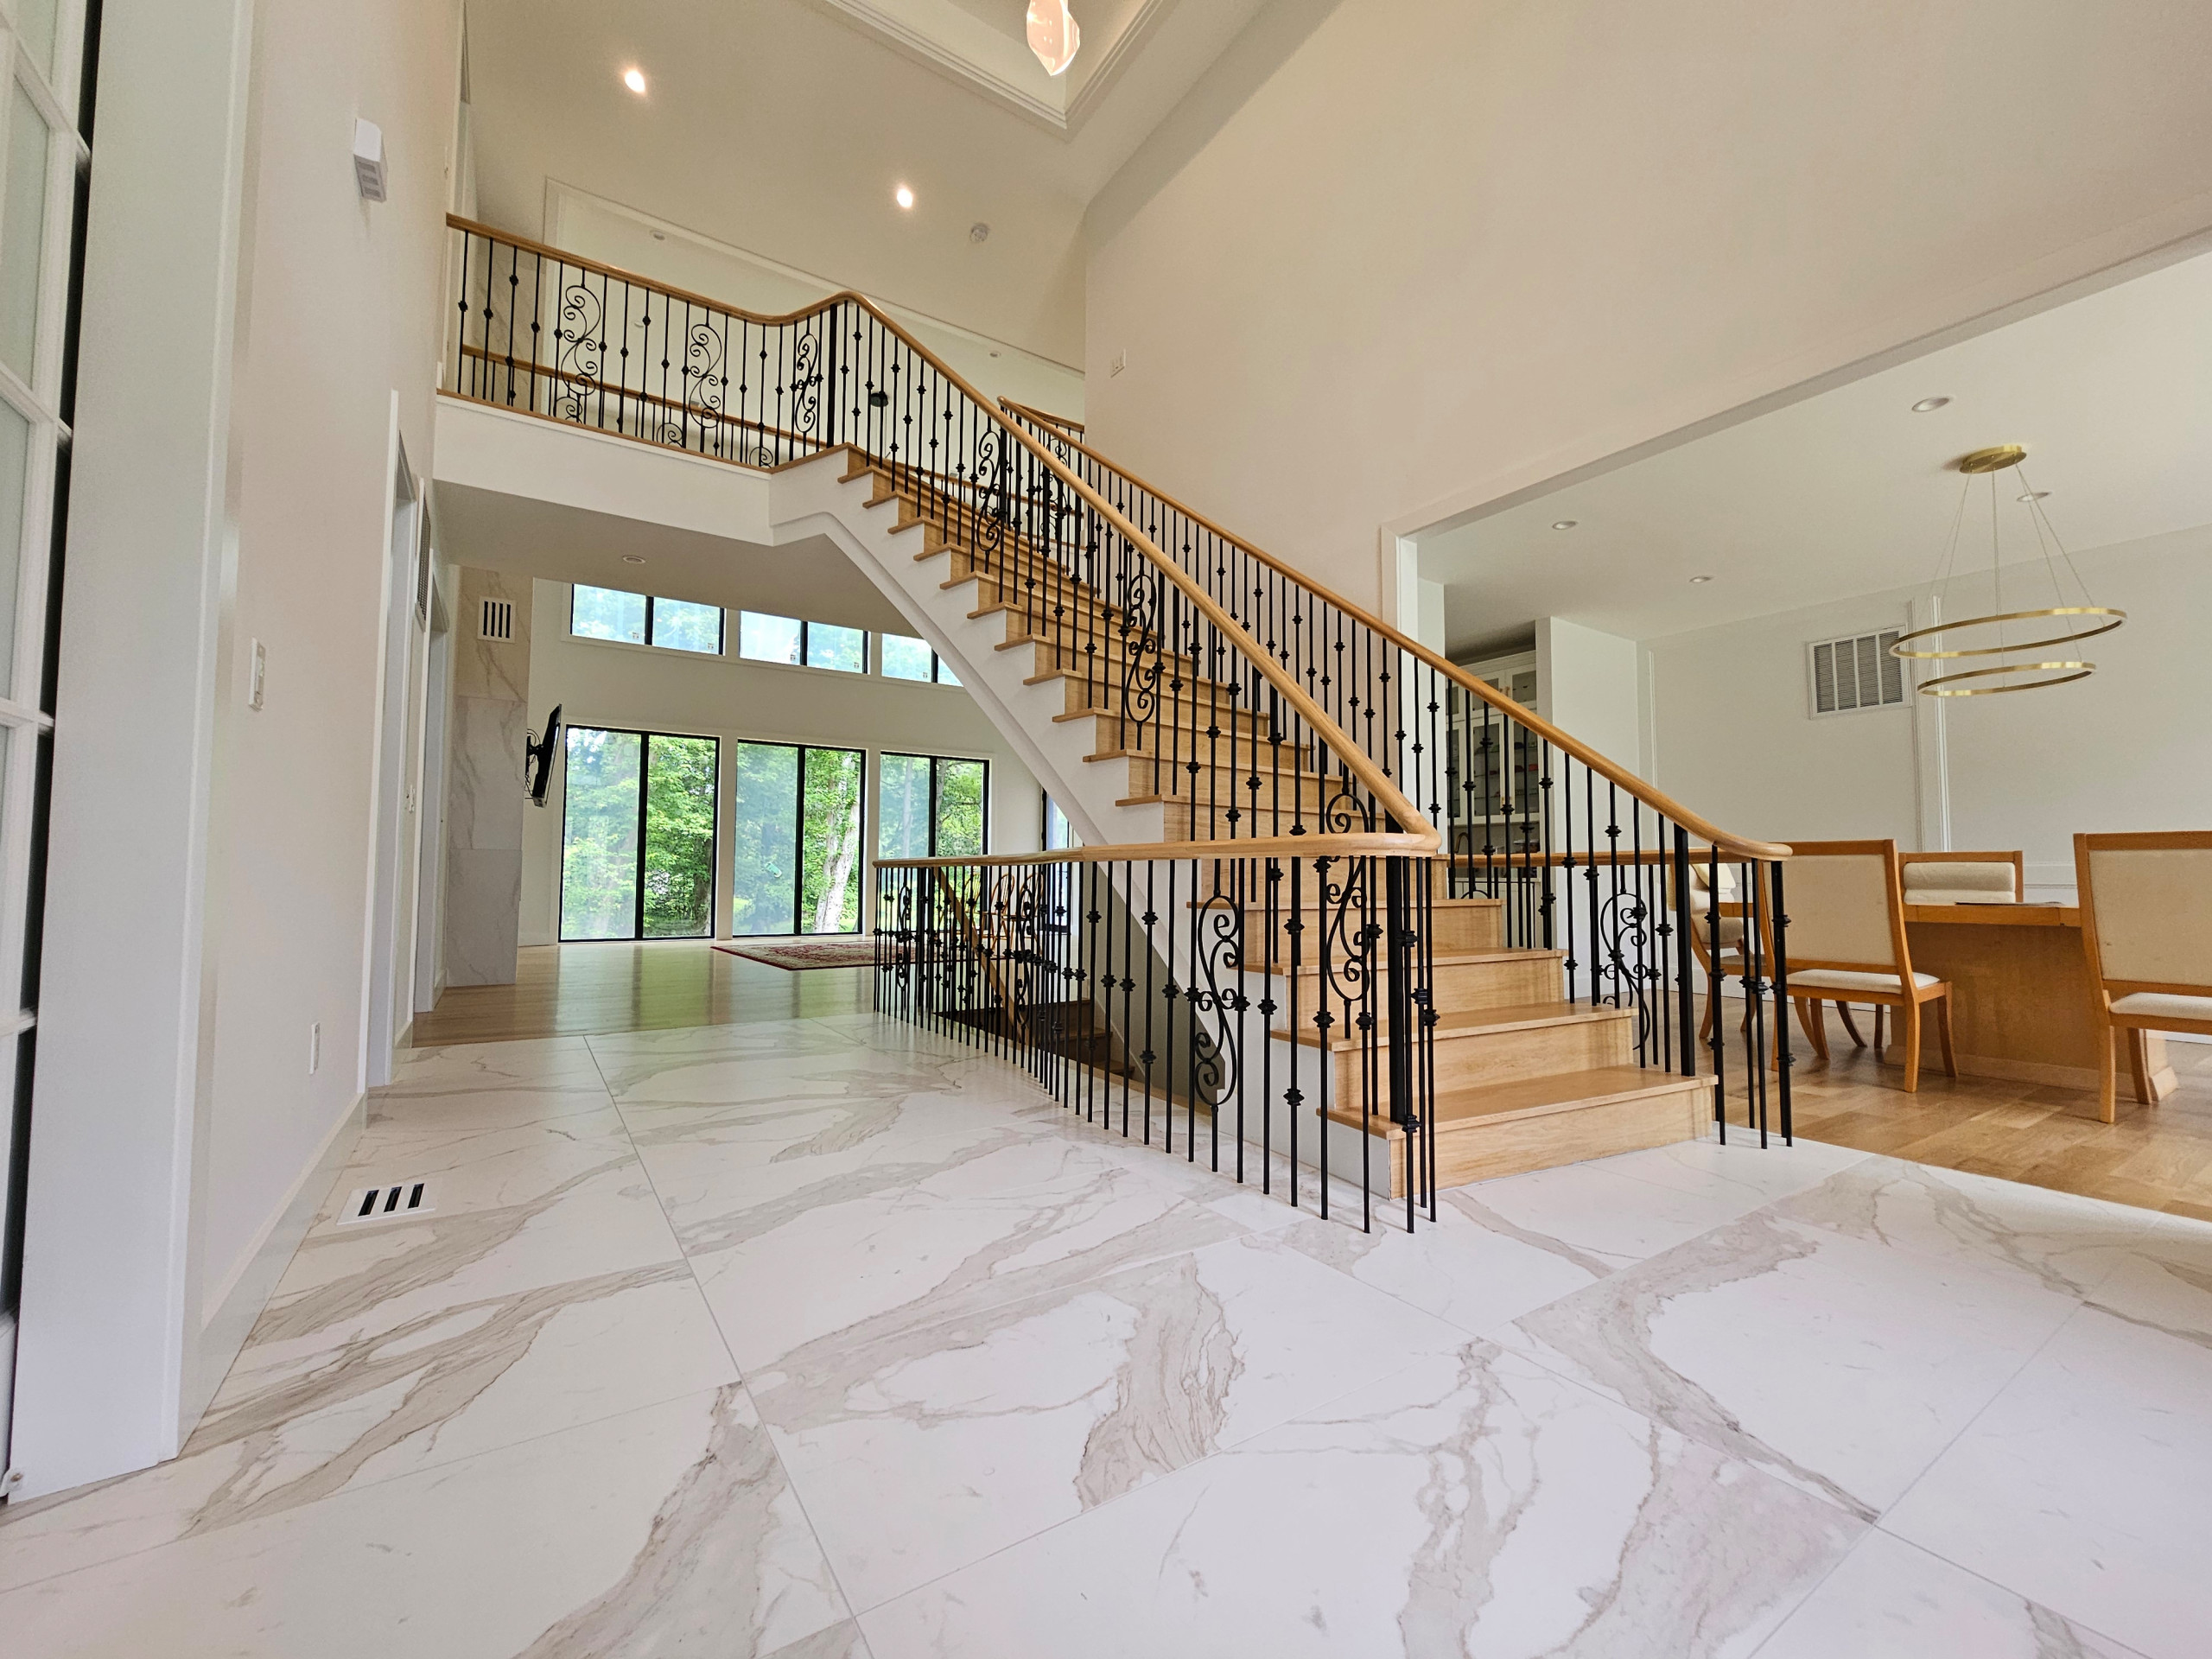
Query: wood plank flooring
{"x": 2157, "y": 1157}
{"x": 572, "y": 989}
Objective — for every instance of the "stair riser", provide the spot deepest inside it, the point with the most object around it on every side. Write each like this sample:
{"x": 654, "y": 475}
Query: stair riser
{"x": 1220, "y": 787}
{"x": 1461, "y": 986}
{"x": 1454, "y": 929}
{"x": 1174, "y": 715}
{"x": 1187, "y": 823}
{"x": 1484, "y": 1152}
{"x": 1466, "y": 1059}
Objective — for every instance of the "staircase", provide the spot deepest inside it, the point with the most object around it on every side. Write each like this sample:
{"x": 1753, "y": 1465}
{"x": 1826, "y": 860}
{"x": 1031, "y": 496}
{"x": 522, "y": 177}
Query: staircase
{"x": 1339, "y": 900}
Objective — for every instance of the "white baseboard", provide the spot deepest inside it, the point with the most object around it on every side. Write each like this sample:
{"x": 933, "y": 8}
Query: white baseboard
{"x": 234, "y": 1307}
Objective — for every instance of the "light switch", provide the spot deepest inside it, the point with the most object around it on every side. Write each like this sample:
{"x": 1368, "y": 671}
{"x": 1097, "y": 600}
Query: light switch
{"x": 314, "y": 1048}
{"x": 260, "y": 673}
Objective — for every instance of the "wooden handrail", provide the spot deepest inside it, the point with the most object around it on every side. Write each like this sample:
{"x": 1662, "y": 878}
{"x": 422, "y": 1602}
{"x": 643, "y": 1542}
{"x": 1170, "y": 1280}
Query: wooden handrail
{"x": 1349, "y": 754}
{"x": 1738, "y": 846}
{"x": 1073, "y": 428}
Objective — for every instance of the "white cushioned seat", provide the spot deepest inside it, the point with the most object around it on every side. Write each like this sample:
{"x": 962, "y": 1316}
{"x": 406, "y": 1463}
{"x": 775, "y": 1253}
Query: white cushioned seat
{"x": 1956, "y": 896}
{"x": 1838, "y": 979}
{"x": 1925, "y": 879}
{"x": 2161, "y": 1005}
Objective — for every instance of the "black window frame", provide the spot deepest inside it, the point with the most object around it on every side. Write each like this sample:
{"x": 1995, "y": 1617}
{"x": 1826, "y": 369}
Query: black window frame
{"x": 806, "y": 648}
{"x": 721, "y": 629}
{"x": 798, "y": 834}
{"x": 936, "y": 666}
{"x": 934, "y": 760}
{"x": 644, "y": 776}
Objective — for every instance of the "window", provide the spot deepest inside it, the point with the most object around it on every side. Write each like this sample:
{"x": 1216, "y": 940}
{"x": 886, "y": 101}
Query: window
{"x": 1058, "y": 837}
{"x": 906, "y": 658}
{"x": 765, "y": 638}
{"x": 797, "y": 818}
{"x": 641, "y": 619}
{"x": 1855, "y": 673}
{"x": 638, "y": 835}
{"x": 934, "y": 807}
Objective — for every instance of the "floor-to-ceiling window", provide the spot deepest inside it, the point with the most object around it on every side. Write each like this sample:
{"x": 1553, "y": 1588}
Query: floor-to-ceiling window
{"x": 796, "y": 817}
{"x": 638, "y": 835}
{"x": 49, "y": 48}
{"x": 933, "y": 806}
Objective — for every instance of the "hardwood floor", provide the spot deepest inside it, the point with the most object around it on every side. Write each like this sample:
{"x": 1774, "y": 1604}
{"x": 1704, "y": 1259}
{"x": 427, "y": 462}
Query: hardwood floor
{"x": 569, "y": 989}
{"x": 2157, "y": 1157}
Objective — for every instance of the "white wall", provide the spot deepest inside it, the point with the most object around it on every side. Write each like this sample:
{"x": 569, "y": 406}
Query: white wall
{"x": 1398, "y": 259}
{"x": 1587, "y": 686}
{"x": 2126, "y": 749}
{"x": 604, "y": 683}
{"x": 250, "y": 330}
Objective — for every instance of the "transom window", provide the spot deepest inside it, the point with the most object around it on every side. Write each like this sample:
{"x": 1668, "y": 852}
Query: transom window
{"x": 906, "y": 658}
{"x": 763, "y": 637}
{"x": 643, "y": 619}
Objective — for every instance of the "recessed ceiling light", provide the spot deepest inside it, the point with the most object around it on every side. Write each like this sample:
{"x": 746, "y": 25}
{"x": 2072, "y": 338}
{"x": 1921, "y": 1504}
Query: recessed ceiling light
{"x": 2033, "y": 495}
{"x": 1700, "y": 582}
{"x": 903, "y": 196}
{"x": 1563, "y": 524}
{"x": 635, "y": 80}
{"x": 979, "y": 232}
{"x": 633, "y": 558}
{"x": 1926, "y": 404}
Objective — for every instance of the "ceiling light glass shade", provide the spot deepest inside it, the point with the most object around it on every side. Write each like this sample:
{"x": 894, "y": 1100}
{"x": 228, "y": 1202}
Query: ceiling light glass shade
{"x": 1053, "y": 35}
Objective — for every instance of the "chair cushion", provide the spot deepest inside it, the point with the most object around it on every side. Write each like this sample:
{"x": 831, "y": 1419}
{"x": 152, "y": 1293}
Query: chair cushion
{"x": 2161, "y": 1005}
{"x": 1955, "y": 875}
{"x": 1838, "y": 979}
{"x": 1956, "y": 896}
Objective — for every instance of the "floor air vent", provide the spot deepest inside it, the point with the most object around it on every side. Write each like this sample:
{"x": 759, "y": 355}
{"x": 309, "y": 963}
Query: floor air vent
{"x": 386, "y": 1203}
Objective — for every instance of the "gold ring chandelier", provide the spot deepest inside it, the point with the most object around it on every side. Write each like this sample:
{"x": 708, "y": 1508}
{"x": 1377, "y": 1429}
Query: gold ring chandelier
{"x": 1986, "y": 633}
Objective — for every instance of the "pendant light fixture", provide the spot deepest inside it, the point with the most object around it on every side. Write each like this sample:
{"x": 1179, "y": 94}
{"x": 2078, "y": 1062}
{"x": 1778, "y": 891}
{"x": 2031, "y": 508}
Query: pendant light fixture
{"x": 1053, "y": 35}
{"x": 2049, "y": 656}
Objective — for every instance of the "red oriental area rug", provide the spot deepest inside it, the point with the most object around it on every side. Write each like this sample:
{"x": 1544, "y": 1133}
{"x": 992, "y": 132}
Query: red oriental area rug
{"x": 795, "y": 954}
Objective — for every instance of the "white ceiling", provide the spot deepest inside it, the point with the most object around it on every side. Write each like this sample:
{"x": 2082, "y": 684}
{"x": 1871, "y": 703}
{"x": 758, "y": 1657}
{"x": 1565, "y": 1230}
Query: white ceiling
{"x": 1849, "y": 492}
{"x": 783, "y": 126}
{"x": 520, "y": 536}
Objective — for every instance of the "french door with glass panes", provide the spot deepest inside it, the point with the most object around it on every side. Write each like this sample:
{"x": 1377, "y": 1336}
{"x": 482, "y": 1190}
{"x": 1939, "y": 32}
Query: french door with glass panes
{"x": 638, "y": 835}
{"x": 44, "y": 164}
{"x": 795, "y": 858}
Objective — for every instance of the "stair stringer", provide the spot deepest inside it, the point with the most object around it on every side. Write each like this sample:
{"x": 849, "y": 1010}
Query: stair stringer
{"x": 817, "y": 499}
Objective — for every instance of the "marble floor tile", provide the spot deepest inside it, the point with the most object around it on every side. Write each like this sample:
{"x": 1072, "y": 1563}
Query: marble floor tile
{"x": 668, "y": 1530}
{"x": 916, "y": 1236}
{"x": 486, "y": 1085}
{"x": 447, "y": 1385}
{"x": 1599, "y": 1217}
{"x": 476, "y": 1167}
{"x": 2087, "y": 1485}
{"x": 624, "y": 1057}
{"x": 1758, "y": 1174}
{"x": 1025, "y": 1413}
{"x": 1890, "y": 1600}
{"x": 1836, "y": 1363}
{"x": 838, "y": 1642}
{"x": 2069, "y": 1243}
{"x": 1471, "y": 1504}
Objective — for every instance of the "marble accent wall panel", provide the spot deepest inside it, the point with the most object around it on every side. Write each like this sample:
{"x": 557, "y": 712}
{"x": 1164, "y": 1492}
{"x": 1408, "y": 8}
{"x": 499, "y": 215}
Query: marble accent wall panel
{"x": 485, "y": 800}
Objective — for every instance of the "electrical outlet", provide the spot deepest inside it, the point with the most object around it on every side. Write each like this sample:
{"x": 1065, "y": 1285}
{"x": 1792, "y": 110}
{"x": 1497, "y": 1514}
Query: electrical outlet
{"x": 260, "y": 674}
{"x": 314, "y": 1048}
{"x": 1121, "y": 361}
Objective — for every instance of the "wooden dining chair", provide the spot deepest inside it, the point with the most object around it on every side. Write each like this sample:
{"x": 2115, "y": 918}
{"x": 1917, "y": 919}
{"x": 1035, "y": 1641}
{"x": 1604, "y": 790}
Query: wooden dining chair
{"x": 1963, "y": 878}
{"x": 2146, "y": 929}
{"x": 1730, "y": 927}
{"x": 1845, "y": 901}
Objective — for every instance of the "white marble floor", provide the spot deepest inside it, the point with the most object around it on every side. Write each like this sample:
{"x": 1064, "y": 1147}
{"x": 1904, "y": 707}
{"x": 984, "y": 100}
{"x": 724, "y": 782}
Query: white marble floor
{"x": 821, "y": 1337}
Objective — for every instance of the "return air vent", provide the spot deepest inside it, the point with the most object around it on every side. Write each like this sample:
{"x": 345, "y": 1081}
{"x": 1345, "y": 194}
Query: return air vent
{"x": 392, "y": 1203}
{"x": 499, "y": 620}
{"x": 1855, "y": 673}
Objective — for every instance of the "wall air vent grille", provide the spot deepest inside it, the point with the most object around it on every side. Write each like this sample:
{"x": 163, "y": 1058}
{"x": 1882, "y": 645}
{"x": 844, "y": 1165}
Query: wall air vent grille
{"x": 1857, "y": 673}
{"x": 499, "y": 620}
{"x": 393, "y": 1203}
